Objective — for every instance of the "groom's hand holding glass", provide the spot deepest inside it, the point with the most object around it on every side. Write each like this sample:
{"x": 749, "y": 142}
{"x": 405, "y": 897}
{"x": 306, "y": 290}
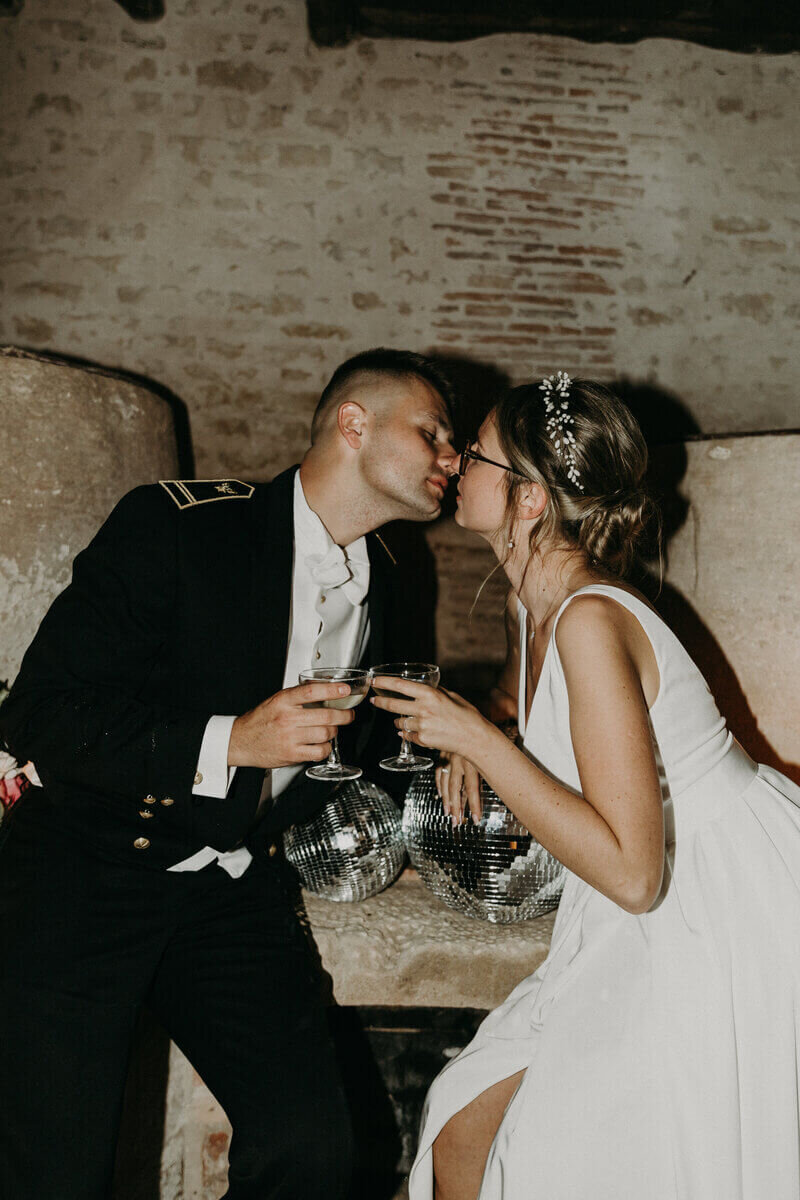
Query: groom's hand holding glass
{"x": 283, "y": 731}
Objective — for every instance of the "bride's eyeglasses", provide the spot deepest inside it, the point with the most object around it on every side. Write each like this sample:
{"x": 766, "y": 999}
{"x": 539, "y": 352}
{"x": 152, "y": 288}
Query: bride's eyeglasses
{"x": 468, "y": 454}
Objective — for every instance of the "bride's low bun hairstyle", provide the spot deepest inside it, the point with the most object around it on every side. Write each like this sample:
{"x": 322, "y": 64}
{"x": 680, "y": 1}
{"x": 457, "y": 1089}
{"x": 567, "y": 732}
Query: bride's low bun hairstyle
{"x": 611, "y": 532}
{"x": 601, "y": 506}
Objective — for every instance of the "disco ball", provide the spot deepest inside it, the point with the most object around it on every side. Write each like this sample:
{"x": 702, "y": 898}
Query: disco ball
{"x": 494, "y": 870}
{"x": 353, "y": 848}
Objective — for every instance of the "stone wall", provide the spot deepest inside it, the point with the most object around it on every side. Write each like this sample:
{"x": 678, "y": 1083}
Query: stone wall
{"x": 74, "y": 442}
{"x": 217, "y": 203}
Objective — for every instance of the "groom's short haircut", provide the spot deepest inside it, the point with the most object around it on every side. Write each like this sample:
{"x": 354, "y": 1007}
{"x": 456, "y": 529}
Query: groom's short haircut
{"x": 392, "y": 364}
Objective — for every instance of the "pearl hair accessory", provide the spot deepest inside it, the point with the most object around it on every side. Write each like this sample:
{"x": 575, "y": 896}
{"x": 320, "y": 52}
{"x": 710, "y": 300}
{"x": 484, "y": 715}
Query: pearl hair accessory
{"x": 556, "y": 398}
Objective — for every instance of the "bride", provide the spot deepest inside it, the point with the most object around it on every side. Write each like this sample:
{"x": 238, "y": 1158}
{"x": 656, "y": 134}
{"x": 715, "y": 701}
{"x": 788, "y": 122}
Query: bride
{"x": 655, "y": 1051}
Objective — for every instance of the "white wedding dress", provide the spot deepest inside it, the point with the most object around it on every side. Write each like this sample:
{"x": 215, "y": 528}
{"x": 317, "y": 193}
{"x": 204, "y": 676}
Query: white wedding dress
{"x": 661, "y": 1052}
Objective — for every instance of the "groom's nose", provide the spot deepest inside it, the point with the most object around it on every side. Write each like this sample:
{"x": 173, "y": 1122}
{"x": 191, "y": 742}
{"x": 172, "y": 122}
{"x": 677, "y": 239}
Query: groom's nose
{"x": 448, "y": 460}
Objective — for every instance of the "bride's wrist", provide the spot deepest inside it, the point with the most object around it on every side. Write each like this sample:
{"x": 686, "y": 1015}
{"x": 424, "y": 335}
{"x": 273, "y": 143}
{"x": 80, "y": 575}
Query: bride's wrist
{"x": 484, "y": 740}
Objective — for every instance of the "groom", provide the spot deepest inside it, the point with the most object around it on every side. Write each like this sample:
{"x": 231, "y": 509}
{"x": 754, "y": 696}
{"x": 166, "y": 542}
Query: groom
{"x": 159, "y": 702}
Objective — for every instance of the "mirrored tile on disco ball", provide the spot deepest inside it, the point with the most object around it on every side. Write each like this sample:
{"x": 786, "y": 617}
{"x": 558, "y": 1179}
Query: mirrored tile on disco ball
{"x": 353, "y": 848}
{"x": 494, "y": 870}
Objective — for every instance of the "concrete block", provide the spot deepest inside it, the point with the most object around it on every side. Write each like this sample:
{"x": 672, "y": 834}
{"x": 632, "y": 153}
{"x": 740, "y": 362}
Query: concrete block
{"x": 74, "y": 441}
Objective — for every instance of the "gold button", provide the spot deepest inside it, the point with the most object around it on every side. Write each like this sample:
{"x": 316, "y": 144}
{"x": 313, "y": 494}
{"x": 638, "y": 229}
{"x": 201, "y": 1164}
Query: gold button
{"x": 318, "y": 655}
{"x": 322, "y": 599}
{"x": 198, "y": 778}
{"x": 149, "y": 800}
{"x": 146, "y": 813}
{"x": 167, "y": 801}
{"x": 273, "y": 850}
{"x": 142, "y": 843}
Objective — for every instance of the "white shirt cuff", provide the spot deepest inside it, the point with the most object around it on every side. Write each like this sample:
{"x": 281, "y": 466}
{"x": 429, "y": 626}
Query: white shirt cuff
{"x": 213, "y": 776}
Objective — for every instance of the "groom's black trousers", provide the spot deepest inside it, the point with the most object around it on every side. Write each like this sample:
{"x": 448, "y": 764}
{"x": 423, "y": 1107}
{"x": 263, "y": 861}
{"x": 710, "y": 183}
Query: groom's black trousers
{"x": 223, "y": 964}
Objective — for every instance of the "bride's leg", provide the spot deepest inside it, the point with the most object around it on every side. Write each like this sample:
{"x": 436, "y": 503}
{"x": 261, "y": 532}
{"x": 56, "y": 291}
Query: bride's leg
{"x": 461, "y": 1149}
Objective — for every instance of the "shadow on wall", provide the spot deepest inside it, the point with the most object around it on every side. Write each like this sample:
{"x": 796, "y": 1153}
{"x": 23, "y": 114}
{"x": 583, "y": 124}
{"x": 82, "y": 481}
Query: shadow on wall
{"x": 416, "y": 589}
{"x": 667, "y": 424}
{"x": 722, "y": 680}
{"x": 478, "y": 386}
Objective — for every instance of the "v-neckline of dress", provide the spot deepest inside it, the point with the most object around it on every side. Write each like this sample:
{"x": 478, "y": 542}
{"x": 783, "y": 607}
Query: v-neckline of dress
{"x": 522, "y": 697}
{"x": 522, "y": 700}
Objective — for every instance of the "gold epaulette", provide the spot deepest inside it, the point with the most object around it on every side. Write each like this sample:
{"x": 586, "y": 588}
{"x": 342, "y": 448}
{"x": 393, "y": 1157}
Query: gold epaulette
{"x": 188, "y": 492}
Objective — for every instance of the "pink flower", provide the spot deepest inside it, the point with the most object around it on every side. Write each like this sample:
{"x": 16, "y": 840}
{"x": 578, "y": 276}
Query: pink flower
{"x": 13, "y": 780}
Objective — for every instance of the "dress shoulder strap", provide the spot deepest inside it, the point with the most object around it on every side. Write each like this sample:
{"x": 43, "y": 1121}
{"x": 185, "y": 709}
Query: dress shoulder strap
{"x": 657, "y": 633}
{"x": 522, "y": 621}
{"x": 613, "y": 592}
{"x": 650, "y": 621}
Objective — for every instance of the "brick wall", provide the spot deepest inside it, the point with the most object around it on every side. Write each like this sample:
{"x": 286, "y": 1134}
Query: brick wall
{"x": 214, "y": 202}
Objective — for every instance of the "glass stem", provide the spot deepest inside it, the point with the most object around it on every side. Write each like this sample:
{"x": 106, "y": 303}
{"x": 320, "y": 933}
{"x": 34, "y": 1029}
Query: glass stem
{"x": 405, "y": 752}
{"x": 333, "y": 758}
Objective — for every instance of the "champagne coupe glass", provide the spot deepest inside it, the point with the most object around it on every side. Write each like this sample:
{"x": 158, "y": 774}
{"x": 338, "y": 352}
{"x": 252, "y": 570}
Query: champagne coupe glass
{"x": 358, "y": 681}
{"x": 420, "y": 673}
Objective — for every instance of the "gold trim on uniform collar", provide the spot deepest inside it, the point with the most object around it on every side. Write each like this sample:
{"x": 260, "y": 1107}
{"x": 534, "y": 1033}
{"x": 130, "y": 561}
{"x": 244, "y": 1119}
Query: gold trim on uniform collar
{"x": 386, "y": 548}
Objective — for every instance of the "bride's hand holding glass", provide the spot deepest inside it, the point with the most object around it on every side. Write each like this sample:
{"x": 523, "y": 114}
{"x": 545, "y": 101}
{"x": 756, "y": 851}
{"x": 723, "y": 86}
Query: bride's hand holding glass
{"x": 422, "y": 673}
{"x": 428, "y": 716}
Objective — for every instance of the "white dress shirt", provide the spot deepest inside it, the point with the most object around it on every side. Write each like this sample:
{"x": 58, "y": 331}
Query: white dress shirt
{"x": 325, "y": 630}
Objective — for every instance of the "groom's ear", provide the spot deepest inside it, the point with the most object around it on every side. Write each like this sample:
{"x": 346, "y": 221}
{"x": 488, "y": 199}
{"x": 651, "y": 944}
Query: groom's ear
{"x": 351, "y": 420}
{"x": 532, "y": 502}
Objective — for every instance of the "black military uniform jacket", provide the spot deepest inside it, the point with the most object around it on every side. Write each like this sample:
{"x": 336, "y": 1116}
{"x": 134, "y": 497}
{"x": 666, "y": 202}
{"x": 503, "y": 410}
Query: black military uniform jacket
{"x": 178, "y": 609}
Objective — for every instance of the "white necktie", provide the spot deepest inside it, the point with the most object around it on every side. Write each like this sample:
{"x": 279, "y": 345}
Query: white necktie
{"x": 335, "y": 569}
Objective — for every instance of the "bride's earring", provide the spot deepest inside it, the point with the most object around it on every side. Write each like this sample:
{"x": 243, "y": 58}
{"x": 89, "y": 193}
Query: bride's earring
{"x": 510, "y": 544}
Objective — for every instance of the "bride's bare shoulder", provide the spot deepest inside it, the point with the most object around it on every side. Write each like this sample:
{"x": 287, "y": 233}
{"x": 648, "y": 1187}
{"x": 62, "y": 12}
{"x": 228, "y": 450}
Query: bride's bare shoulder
{"x": 592, "y": 615}
{"x": 596, "y": 628}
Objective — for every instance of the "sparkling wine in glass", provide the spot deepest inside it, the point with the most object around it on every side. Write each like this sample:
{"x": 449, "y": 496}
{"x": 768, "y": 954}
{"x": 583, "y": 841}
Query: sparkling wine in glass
{"x": 333, "y": 769}
{"x": 419, "y": 673}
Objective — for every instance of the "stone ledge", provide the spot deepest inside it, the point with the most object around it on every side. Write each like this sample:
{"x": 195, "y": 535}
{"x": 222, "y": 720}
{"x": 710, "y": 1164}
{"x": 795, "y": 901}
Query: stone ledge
{"x": 404, "y": 948}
